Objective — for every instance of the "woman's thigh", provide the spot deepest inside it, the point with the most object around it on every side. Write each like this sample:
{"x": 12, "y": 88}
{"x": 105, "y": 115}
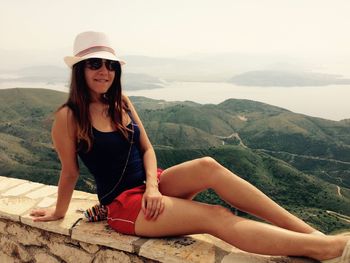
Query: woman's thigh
{"x": 182, "y": 217}
{"x": 186, "y": 179}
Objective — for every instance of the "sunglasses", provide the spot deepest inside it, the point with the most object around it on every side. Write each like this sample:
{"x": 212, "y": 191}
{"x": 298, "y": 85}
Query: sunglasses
{"x": 96, "y": 63}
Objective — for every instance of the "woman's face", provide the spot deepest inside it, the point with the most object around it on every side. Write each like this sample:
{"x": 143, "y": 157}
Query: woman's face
{"x": 99, "y": 76}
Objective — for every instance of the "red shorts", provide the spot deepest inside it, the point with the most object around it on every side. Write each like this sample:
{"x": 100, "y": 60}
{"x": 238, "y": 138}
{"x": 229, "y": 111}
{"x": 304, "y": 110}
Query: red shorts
{"x": 124, "y": 209}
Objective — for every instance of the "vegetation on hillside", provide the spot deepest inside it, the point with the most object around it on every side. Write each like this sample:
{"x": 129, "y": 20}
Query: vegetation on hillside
{"x": 302, "y": 162}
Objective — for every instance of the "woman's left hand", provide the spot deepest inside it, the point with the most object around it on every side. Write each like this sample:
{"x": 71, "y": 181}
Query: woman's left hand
{"x": 152, "y": 203}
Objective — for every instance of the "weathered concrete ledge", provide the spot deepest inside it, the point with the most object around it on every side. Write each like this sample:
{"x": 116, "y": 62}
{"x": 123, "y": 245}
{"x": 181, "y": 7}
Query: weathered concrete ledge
{"x": 72, "y": 239}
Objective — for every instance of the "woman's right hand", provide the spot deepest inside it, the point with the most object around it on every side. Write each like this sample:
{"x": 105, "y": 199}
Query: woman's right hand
{"x": 44, "y": 215}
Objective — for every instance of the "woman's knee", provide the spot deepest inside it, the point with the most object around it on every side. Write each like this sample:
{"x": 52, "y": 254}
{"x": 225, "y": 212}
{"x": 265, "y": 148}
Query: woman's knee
{"x": 208, "y": 164}
{"x": 209, "y": 168}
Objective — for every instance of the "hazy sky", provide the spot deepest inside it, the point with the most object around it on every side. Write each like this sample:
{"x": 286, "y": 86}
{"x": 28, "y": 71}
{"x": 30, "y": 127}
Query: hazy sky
{"x": 315, "y": 31}
{"x": 179, "y": 27}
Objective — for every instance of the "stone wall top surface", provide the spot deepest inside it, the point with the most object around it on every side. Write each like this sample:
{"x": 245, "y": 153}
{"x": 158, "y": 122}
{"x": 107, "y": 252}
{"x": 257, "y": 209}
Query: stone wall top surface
{"x": 19, "y": 197}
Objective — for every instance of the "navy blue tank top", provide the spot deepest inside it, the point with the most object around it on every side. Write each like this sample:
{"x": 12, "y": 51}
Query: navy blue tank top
{"x": 107, "y": 158}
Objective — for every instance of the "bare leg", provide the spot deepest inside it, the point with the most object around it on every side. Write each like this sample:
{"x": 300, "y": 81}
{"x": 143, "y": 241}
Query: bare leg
{"x": 187, "y": 179}
{"x": 181, "y": 217}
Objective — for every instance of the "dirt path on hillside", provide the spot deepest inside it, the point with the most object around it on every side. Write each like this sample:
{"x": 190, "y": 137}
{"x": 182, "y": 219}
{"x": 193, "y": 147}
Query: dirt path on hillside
{"x": 340, "y": 216}
{"x": 339, "y": 193}
{"x": 305, "y": 156}
{"x": 233, "y": 135}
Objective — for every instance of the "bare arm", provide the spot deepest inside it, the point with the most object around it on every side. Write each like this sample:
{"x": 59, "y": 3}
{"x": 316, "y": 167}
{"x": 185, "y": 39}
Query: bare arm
{"x": 149, "y": 156}
{"x": 64, "y": 140}
{"x": 152, "y": 203}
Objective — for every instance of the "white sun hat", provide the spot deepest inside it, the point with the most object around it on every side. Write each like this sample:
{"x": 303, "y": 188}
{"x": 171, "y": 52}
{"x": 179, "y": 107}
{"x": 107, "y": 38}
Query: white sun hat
{"x": 91, "y": 44}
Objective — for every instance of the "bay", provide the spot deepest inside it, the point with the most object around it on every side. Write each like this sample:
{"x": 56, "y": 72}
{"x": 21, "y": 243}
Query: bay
{"x": 329, "y": 102}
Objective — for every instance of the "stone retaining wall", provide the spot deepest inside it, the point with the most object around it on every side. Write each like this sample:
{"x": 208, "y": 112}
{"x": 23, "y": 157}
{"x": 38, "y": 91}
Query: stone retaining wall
{"x": 72, "y": 239}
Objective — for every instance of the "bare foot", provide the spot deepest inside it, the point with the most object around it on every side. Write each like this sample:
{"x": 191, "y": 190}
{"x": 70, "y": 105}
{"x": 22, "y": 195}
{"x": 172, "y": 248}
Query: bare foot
{"x": 334, "y": 249}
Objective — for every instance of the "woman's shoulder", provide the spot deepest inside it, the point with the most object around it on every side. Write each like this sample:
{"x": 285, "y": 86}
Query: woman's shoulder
{"x": 125, "y": 99}
{"x": 127, "y": 105}
{"x": 64, "y": 122}
{"x": 64, "y": 112}
{"x": 64, "y": 115}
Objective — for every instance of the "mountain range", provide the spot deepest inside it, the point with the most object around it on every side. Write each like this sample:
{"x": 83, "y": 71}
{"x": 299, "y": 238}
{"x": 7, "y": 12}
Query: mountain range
{"x": 144, "y": 72}
{"x": 300, "y": 161}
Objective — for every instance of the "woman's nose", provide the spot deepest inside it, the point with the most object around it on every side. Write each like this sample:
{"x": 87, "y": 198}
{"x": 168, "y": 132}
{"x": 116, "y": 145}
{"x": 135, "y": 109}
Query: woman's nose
{"x": 103, "y": 67}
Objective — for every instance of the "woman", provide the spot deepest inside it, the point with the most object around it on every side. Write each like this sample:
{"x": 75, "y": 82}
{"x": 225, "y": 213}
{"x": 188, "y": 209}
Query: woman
{"x": 100, "y": 124}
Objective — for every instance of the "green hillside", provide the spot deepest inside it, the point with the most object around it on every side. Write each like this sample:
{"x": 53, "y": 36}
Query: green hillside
{"x": 303, "y": 194}
{"x": 300, "y": 161}
{"x": 275, "y": 130}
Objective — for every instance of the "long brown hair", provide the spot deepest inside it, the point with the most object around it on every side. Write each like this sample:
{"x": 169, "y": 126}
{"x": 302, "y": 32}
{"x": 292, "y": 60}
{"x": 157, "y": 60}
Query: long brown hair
{"x": 79, "y": 101}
